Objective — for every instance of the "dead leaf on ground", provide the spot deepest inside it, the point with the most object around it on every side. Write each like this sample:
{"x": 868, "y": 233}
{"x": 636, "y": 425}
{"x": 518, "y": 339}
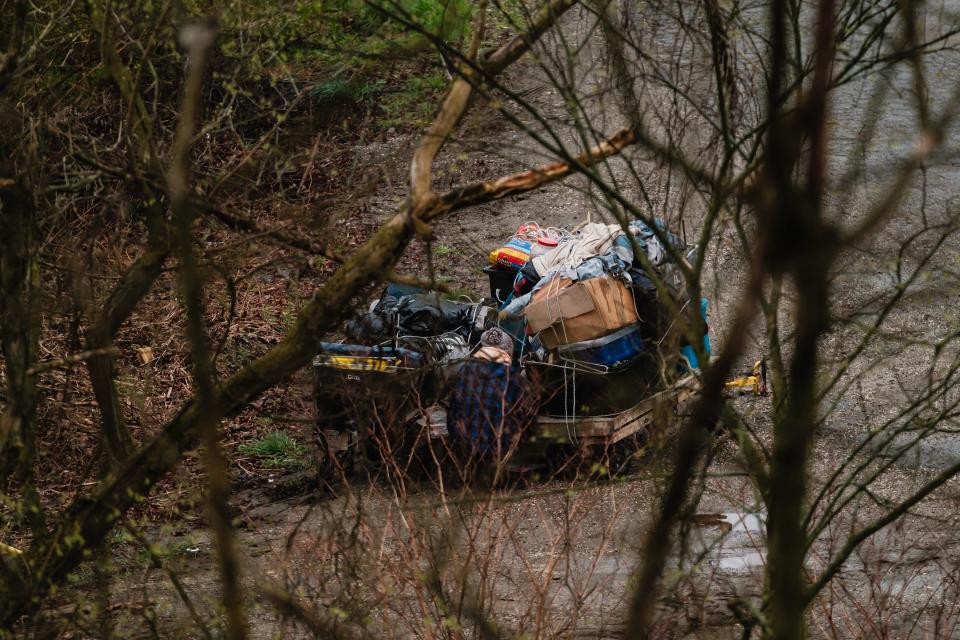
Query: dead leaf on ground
{"x": 146, "y": 354}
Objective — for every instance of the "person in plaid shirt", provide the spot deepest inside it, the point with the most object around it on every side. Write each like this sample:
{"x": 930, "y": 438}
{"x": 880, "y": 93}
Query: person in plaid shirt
{"x": 491, "y": 403}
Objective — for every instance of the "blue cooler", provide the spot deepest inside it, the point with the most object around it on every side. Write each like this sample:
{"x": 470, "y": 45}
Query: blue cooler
{"x": 614, "y": 351}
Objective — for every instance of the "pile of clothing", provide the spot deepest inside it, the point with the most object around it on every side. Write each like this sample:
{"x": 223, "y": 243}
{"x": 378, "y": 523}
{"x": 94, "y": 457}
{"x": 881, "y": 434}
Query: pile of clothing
{"x": 589, "y": 299}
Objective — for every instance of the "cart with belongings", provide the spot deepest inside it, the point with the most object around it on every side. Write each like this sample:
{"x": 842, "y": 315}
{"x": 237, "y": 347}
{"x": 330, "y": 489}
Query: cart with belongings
{"x": 590, "y": 328}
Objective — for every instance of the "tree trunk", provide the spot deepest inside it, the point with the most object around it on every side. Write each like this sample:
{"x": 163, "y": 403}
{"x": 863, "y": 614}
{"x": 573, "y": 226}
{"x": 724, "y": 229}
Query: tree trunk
{"x": 19, "y": 335}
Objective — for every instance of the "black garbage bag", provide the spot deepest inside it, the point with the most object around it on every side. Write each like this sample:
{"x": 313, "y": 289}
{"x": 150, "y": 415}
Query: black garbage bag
{"x": 378, "y": 324}
{"x": 427, "y": 314}
{"x": 640, "y": 281}
{"x": 418, "y": 314}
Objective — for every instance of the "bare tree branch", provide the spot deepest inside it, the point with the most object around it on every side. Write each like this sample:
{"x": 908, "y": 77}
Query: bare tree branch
{"x": 198, "y": 39}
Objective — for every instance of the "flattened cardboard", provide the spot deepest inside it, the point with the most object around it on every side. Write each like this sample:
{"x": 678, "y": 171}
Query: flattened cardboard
{"x": 565, "y": 312}
{"x": 558, "y": 300}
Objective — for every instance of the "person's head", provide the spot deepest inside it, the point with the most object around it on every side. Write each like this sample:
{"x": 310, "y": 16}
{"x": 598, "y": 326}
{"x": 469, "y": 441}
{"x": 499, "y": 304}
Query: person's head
{"x": 497, "y": 338}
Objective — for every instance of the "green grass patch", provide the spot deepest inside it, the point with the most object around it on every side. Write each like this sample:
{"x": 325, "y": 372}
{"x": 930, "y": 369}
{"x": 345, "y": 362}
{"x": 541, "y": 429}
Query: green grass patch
{"x": 277, "y": 449}
{"x": 445, "y": 18}
{"x": 342, "y": 89}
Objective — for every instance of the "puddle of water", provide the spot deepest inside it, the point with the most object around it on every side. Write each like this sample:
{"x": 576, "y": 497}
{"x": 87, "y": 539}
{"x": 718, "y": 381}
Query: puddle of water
{"x": 609, "y": 565}
{"x": 741, "y": 547}
{"x": 743, "y": 522}
{"x": 744, "y": 561}
{"x": 732, "y": 521}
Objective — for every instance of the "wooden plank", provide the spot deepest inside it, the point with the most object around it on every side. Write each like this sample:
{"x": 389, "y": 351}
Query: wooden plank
{"x": 592, "y": 425}
{"x": 616, "y": 427}
{"x": 642, "y": 422}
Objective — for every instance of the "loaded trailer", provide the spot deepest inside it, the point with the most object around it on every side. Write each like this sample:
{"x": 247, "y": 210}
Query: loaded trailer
{"x": 375, "y": 405}
{"x": 599, "y": 351}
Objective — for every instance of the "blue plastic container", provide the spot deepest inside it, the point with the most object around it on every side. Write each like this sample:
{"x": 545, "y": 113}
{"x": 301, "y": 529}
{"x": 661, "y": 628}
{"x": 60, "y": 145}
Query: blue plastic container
{"x": 614, "y": 351}
{"x": 688, "y": 357}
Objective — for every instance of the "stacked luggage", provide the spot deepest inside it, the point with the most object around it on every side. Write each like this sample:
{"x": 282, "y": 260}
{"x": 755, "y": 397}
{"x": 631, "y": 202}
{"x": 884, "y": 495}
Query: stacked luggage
{"x": 592, "y": 315}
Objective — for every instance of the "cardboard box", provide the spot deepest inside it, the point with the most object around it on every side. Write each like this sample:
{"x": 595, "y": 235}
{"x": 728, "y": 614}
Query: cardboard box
{"x": 564, "y": 312}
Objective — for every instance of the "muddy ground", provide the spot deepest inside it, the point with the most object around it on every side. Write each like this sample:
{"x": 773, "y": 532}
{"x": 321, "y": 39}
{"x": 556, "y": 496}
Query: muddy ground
{"x": 555, "y": 559}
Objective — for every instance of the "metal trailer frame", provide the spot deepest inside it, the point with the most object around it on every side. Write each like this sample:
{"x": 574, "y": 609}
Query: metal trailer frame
{"x": 596, "y": 433}
{"x": 610, "y": 429}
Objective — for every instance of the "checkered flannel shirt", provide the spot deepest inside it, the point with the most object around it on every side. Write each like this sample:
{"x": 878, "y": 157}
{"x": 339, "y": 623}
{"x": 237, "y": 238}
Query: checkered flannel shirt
{"x": 490, "y": 405}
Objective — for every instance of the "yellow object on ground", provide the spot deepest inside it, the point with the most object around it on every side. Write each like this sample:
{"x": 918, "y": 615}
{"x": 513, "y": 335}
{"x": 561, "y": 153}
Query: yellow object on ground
{"x": 757, "y": 381}
{"x": 9, "y": 551}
